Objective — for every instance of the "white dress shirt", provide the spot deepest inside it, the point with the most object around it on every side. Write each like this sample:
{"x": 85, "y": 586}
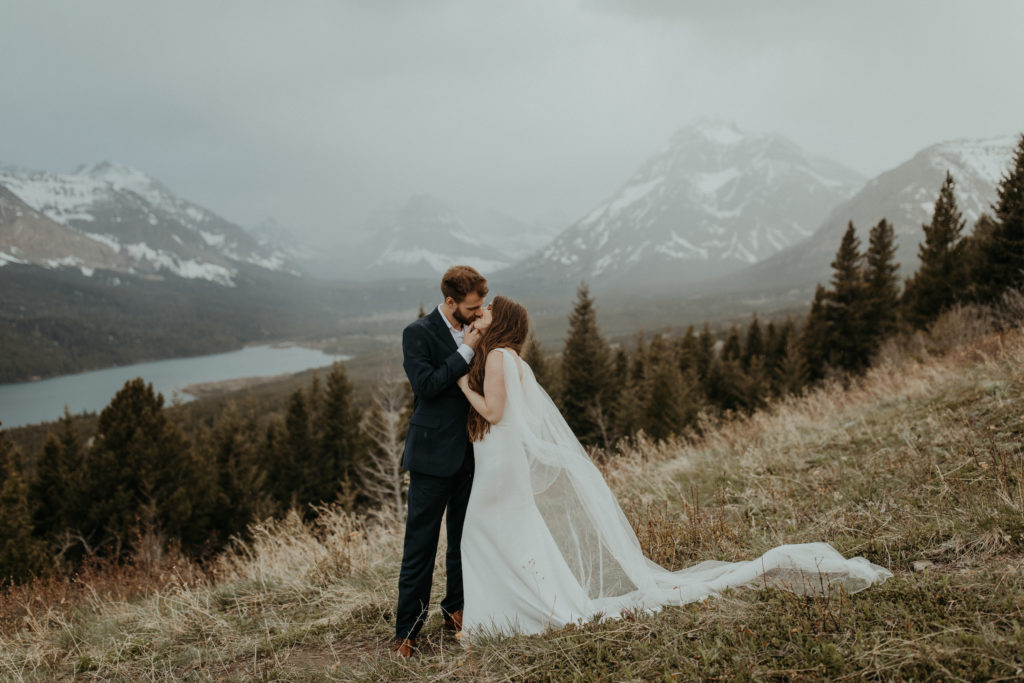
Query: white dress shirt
{"x": 458, "y": 335}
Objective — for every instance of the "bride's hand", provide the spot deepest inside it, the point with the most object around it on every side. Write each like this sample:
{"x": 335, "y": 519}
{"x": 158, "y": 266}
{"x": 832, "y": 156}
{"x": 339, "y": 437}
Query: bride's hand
{"x": 463, "y": 382}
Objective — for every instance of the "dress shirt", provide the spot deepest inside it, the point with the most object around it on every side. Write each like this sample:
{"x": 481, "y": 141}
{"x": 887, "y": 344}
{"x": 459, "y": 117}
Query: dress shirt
{"x": 458, "y": 335}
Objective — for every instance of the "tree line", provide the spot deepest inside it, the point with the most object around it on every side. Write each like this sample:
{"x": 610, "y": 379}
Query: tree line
{"x": 663, "y": 385}
{"x": 151, "y": 472}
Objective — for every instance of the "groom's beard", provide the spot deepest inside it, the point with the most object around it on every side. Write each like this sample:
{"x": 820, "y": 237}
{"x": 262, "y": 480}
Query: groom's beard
{"x": 462, "y": 319}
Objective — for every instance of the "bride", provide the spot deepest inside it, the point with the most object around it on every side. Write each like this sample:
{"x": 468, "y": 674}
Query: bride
{"x": 546, "y": 544}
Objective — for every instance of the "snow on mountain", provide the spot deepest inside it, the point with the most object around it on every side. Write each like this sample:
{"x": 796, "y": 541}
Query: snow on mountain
{"x": 29, "y": 237}
{"x": 905, "y": 196}
{"x": 424, "y": 238}
{"x": 154, "y": 231}
{"x": 714, "y": 200}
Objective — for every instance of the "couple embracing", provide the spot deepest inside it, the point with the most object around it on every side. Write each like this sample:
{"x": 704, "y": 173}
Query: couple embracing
{"x": 536, "y": 539}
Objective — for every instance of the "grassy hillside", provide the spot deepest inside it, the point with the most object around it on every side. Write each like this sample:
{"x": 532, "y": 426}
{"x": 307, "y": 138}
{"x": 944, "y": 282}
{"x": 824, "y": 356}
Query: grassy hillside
{"x": 918, "y": 467}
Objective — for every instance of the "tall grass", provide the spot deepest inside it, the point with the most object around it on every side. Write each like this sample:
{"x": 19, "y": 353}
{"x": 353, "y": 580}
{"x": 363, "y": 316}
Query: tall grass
{"x": 918, "y": 466}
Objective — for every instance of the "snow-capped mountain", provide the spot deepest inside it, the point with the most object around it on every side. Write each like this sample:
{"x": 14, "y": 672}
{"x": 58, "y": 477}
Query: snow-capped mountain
{"x": 27, "y": 236}
{"x": 714, "y": 200}
{"x": 154, "y": 232}
{"x": 424, "y": 238}
{"x": 905, "y": 196}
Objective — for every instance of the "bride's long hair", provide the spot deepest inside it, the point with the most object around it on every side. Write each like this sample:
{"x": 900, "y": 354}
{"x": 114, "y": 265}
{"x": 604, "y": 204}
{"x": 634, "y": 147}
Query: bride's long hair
{"x": 509, "y": 327}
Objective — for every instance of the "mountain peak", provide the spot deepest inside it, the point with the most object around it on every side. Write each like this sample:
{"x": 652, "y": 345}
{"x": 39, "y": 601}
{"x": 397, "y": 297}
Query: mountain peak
{"x": 119, "y": 176}
{"x": 717, "y": 131}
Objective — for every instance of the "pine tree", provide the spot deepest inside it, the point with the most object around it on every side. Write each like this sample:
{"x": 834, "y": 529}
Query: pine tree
{"x": 639, "y": 368}
{"x": 881, "y": 285}
{"x": 793, "y": 373}
{"x": 689, "y": 350}
{"x": 732, "y": 348}
{"x": 232, "y": 446}
{"x": 705, "y": 351}
{"x": 975, "y": 248}
{"x": 296, "y": 471}
{"x": 664, "y": 398}
{"x": 142, "y": 473}
{"x": 58, "y": 482}
{"x": 21, "y": 554}
{"x": 728, "y": 388}
{"x": 534, "y": 356}
{"x": 815, "y": 337}
{"x": 848, "y": 343}
{"x": 336, "y": 470}
{"x": 754, "y": 346}
{"x": 1001, "y": 263}
{"x": 941, "y": 278}
{"x": 586, "y": 372}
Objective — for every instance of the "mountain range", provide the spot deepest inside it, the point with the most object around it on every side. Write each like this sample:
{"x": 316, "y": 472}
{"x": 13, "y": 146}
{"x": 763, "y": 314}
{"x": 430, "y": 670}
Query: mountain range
{"x": 716, "y": 199}
{"x": 904, "y": 195}
{"x": 116, "y": 218}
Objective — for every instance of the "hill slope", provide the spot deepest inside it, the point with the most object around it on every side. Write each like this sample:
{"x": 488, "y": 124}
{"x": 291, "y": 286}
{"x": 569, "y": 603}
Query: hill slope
{"x": 917, "y": 467}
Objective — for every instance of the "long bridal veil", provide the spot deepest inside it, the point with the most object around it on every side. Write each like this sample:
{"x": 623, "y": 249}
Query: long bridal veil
{"x": 600, "y": 547}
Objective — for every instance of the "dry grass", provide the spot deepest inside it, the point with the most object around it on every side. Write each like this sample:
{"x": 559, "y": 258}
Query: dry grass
{"x": 921, "y": 461}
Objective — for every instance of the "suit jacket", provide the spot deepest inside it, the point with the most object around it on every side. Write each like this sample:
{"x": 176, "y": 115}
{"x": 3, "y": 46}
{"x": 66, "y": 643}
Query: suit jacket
{"x": 438, "y": 441}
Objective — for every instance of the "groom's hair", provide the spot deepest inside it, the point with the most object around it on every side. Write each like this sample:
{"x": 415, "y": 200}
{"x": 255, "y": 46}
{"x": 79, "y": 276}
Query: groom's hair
{"x": 459, "y": 281}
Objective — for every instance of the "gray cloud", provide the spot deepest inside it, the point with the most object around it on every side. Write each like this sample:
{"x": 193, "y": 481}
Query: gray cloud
{"x": 317, "y": 112}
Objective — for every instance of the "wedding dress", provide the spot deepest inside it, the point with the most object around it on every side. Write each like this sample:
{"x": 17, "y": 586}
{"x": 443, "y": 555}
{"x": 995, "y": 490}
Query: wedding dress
{"x": 546, "y": 544}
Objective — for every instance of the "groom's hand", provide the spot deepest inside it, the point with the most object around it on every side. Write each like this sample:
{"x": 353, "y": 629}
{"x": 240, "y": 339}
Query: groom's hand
{"x": 472, "y": 338}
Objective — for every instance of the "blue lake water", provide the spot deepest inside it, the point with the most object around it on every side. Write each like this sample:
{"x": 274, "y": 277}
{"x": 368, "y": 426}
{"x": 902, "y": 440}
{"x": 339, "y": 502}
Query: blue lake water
{"x": 44, "y": 400}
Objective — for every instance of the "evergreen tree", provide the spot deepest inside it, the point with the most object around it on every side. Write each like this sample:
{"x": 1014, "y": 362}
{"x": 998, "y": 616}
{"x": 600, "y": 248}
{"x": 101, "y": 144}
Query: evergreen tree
{"x": 793, "y": 373}
{"x": 728, "y": 388}
{"x": 533, "y": 354}
{"x": 340, "y": 443}
{"x": 975, "y": 248}
{"x": 21, "y": 554}
{"x": 881, "y": 285}
{"x": 732, "y": 349}
{"x": 639, "y": 368}
{"x": 664, "y": 398}
{"x": 59, "y": 479}
{"x": 848, "y": 343}
{"x": 297, "y": 469}
{"x": 705, "y": 352}
{"x": 689, "y": 351}
{"x": 1001, "y": 263}
{"x": 815, "y": 337}
{"x": 142, "y": 473}
{"x": 586, "y": 372}
{"x": 754, "y": 346}
{"x": 421, "y": 312}
{"x": 941, "y": 278}
{"x": 232, "y": 446}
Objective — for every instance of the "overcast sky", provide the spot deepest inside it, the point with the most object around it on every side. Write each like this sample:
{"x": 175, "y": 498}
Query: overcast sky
{"x": 317, "y": 113}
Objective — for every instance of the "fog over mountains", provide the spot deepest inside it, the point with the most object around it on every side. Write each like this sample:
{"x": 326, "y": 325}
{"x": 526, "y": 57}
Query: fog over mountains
{"x": 717, "y": 209}
{"x": 713, "y": 201}
{"x": 905, "y": 196}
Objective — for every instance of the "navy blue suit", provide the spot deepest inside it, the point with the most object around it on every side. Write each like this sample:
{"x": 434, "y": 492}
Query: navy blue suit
{"x": 439, "y": 457}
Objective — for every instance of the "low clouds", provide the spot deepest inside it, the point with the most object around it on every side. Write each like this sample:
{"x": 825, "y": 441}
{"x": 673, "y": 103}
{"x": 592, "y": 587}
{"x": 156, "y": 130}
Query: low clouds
{"x": 318, "y": 112}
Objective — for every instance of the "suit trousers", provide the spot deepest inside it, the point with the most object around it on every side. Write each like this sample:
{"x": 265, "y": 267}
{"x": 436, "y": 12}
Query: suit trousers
{"x": 429, "y": 498}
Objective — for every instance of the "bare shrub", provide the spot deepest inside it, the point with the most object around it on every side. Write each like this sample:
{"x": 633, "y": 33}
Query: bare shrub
{"x": 383, "y": 480}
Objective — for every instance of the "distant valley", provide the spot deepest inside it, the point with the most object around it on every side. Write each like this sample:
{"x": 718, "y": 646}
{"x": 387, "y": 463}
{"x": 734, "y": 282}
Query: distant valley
{"x": 107, "y": 266}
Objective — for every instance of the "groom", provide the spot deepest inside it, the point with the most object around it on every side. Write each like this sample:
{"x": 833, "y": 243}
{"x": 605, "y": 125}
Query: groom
{"x": 437, "y": 350}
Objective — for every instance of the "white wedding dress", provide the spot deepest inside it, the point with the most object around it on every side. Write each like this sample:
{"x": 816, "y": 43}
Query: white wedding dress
{"x": 546, "y": 544}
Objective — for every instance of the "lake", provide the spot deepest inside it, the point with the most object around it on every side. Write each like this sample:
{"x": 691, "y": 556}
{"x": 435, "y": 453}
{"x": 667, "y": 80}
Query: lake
{"x": 42, "y": 401}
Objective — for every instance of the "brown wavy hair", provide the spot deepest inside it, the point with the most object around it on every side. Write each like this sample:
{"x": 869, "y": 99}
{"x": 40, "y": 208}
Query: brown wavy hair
{"x": 509, "y": 327}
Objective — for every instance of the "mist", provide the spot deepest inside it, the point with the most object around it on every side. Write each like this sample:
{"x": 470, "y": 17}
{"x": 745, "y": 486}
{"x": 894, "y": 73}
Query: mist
{"x": 320, "y": 113}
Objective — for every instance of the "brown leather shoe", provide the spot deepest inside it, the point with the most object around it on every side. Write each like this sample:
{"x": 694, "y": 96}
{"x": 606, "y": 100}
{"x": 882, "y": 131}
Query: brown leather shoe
{"x": 453, "y": 621}
{"x": 404, "y": 647}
